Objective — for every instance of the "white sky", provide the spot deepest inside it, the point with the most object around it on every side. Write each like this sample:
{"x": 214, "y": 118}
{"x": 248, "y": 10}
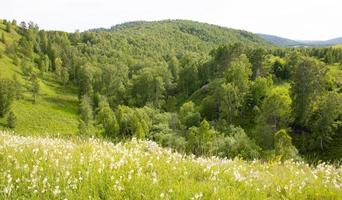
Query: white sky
{"x": 296, "y": 19}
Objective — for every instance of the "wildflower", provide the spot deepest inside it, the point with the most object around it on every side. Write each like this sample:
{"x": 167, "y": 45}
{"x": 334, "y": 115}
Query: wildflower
{"x": 56, "y": 191}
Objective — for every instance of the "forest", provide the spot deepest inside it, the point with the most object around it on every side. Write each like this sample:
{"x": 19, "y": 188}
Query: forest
{"x": 171, "y": 109}
{"x": 196, "y": 88}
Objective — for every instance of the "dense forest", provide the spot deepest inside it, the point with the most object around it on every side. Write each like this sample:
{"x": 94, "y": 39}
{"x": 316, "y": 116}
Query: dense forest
{"x": 194, "y": 87}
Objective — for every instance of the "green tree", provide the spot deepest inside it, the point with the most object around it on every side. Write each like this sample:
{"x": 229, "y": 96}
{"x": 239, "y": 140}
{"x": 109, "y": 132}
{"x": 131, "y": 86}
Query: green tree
{"x": 148, "y": 86}
{"x": 173, "y": 65}
{"x": 85, "y": 81}
{"x": 26, "y": 68}
{"x": 283, "y": 146}
{"x": 230, "y": 102}
{"x": 232, "y": 93}
{"x": 11, "y": 120}
{"x": 64, "y": 76}
{"x": 34, "y": 87}
{"x": 200, "y": 139}
{"x": 275, "y": 115}
{"x": 238, "y": 144}
{"x": 326, "y": 119}
{"x": 58, "y": 66}
{"x": 188, "y": 115}
{"x": 188, "y": 79}
{"x": 107, "y": 118}
{"x": 7, "y": 94}
{"x": 44, "y": 63}
{"x": 308, "y": 83}
{"x": 238, "y": 74}
{"x": 85, "y": 110}
{"x": 133, "y": 122}
{"x": 256, "y": 57}
{"x": 26, "y": 47}
{"x": 223, "y": 56}
{"x": 280, "y": 69}
{"x": 18, "y": 87}
{"x": 3, "y": 38}
{"x": 259, "y": 90}
{"x": 9, "y": 27}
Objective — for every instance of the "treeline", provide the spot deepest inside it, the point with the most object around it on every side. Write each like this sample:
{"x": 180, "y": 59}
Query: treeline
{"x": 236, "y": 100}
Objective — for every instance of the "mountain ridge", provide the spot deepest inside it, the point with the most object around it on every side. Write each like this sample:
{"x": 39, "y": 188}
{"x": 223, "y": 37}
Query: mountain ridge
{"x": 286, "y": 42}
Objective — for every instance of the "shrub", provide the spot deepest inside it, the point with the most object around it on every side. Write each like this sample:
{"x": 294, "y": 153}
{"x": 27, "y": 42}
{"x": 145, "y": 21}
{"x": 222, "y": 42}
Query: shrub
{"x": 11, "y": 120}
{"x": 238, "y": 144}
{"x": 283, "y": 146}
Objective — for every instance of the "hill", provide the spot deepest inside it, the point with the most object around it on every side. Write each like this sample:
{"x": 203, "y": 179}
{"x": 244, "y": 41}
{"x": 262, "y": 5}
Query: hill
{"x": 133, "y": 43}
{"x": 190, "y": 35}
{"x": 195, "y": 87}
{"x": 279, "y": 40}
{"x": 47, "y": 168}
{"x": 331, "y": 42}
{"x": 285, "y": 42}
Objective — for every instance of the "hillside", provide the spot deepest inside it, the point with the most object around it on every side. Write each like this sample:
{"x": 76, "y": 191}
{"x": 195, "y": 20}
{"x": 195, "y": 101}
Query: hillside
{"x": 194, "y": 87}
{"x": 285, "y": 42}
{"x": 56, "y": 112}
{"x": 153, "y": 41}
{"x": 190, "y": 35}
{"x": 279, "y": 40}
{"x": 47, "y": 168}
{"x": 129, "y": 44}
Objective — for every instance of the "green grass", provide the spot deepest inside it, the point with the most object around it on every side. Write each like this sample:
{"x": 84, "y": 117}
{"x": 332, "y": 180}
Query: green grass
{"x": 55, "y": 111}
{"x": 46, "y": 168}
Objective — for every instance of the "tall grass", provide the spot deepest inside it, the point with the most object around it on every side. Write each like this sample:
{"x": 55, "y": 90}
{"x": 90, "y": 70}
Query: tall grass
{"x": 46, "y": 168}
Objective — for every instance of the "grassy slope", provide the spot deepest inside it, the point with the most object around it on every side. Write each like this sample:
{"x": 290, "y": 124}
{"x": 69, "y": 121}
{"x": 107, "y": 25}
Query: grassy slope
{"x": 56, "y": 109}
{"x": 45, "y": 168}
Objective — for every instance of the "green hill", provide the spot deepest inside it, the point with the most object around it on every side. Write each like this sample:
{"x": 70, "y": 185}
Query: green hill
{"x": 195, "y": 87}
{"x": 129, "y": 43}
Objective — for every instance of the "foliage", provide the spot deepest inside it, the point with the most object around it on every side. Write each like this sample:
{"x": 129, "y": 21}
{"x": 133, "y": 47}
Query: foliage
{"x": 11, "y": 120}
{"x": 308, "y": 82}
{"x": 200, "y": 139}
{"x": 238, "y": 144}
{"x": 133, "y": 122}
{"x": 136, "y": 76}
{"x": 6, "y": 96}
{"x": 283, "y": 146}
{"x": 275, "y": 114}
{"x": 35, "y": 86}
{"x": 326, "y": 119}
{"x": 188, "y": 115}
{"x": 105, "y": 116}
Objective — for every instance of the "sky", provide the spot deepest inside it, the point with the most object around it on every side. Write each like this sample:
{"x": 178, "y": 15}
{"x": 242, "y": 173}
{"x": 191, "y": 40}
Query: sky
{"x": 295, "y": 19}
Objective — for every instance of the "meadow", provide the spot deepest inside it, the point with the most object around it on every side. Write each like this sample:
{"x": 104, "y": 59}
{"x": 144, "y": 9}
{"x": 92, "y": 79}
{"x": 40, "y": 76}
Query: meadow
{"x": 35, "y": 167}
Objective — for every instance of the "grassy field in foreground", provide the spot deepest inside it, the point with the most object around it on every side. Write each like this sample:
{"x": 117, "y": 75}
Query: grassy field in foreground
{"x": 46, "y": 168}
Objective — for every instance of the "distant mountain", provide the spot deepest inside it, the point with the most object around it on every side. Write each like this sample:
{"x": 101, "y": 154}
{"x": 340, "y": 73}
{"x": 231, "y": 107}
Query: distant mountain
{"x": 279, "y": 40}
{"x": 300, "y": 43}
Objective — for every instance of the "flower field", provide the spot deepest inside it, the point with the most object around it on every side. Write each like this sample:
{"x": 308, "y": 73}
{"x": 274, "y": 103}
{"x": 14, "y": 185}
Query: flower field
{"x": 47, "y": 168}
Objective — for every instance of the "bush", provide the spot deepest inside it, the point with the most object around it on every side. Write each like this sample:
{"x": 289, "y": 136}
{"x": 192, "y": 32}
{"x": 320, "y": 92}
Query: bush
{"x": 283, "y": 146}
{"x": 238, "y": 144}
{"x": 11, "y": 120}
{"x": 188, "y": 115}
{"x": 7, "y": 93}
